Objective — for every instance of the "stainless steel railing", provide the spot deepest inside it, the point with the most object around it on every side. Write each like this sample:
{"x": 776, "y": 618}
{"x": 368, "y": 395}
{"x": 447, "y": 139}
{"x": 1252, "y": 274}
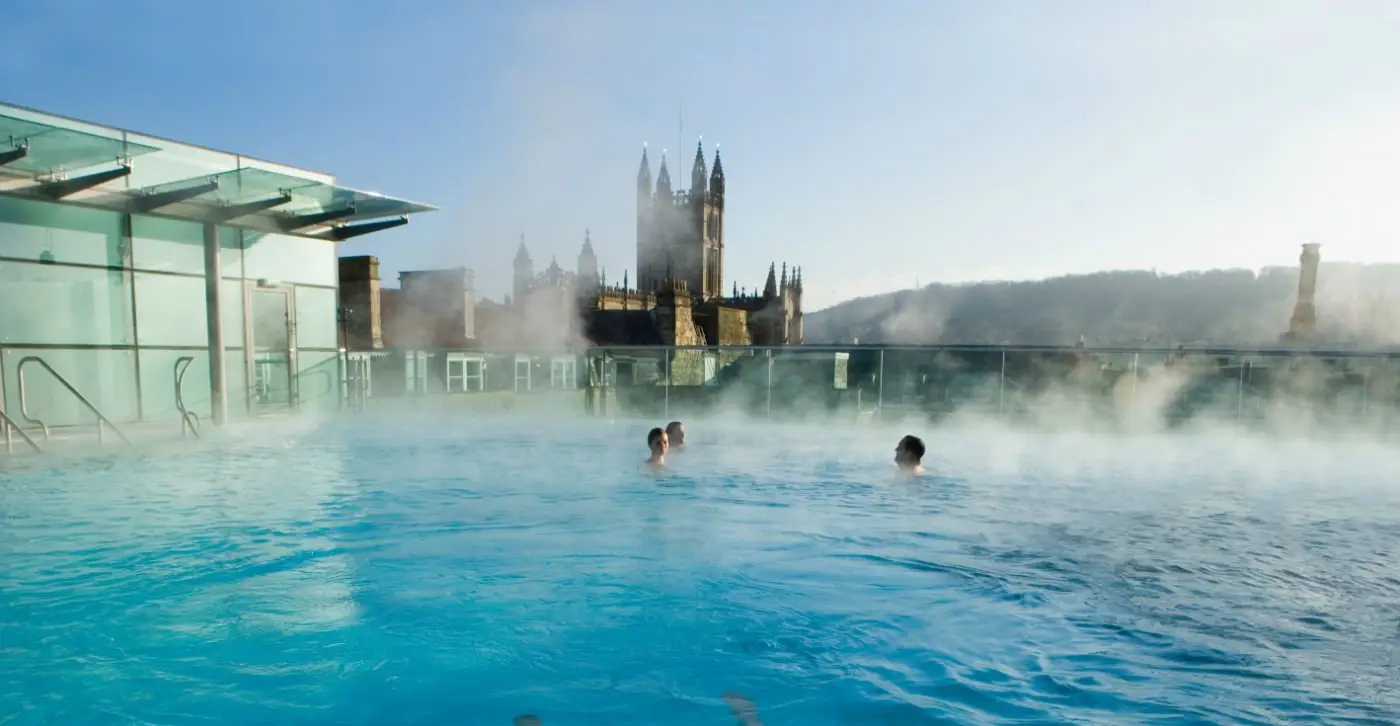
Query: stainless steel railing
{"x": 189, "y": 420}
{"x": 24, "y": 407}
{"x": 12, "y": 428}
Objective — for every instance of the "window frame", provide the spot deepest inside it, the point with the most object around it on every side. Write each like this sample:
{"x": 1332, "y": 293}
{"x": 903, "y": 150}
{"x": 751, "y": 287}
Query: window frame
{"x": 558, "y": 367}
{"x": 466, "y": 380}
{"x": 529, "y": 373}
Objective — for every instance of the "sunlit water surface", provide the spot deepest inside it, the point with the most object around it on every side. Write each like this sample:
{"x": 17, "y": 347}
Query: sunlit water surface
{"x": 445, "y": 571}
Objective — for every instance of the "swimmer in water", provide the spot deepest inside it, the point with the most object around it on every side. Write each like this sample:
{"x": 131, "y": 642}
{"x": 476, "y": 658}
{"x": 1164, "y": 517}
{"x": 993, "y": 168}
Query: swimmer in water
{"x": 527, "y": 720}
{"x": 909, "y": 455}
{"x": 743, "y": 709}
{"x": 659, "y": 444}
{"x": 675, "y": 434}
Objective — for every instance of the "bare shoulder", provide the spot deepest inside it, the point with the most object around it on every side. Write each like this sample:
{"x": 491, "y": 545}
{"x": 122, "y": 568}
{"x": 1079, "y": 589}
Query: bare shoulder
{"x": 743, "y": 709}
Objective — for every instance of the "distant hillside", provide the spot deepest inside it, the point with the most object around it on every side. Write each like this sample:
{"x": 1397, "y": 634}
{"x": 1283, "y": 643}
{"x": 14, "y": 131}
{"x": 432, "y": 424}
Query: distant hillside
{"x": 1356, "y": 304}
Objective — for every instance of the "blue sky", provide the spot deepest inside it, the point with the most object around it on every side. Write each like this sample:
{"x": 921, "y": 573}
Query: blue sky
{"x": 875, "y": 143}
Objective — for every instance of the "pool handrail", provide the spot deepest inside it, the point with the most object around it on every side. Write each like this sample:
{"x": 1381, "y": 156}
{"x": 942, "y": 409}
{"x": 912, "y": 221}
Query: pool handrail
{"x": 24, "y": 404}
{"x": 189, "y": 420}
{"x": 11, "y": 426}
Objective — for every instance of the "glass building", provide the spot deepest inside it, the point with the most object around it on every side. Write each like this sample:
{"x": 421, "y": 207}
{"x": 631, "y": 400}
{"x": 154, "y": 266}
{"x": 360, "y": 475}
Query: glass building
{"x": 140, "y": 277}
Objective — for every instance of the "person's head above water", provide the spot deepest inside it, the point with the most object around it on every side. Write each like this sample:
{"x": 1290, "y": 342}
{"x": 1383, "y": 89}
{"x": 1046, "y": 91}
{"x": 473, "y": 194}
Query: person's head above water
{"x": 658, "y": 443}
{"x": 909, "y": 453}
{"x": 675, "y": 434}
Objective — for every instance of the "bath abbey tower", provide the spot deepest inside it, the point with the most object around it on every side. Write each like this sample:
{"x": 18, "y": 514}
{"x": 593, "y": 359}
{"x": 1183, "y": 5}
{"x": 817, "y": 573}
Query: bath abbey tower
{"x": 680, "y": 234}
{"x": 676, "y": 294}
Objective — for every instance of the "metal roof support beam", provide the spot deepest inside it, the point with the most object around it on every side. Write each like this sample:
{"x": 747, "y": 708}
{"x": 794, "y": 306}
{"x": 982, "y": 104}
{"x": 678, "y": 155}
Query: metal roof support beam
{"x": 65, "y": 187}
{"x": 234, "y": 211}
{"x": 293, "y": 222}
{"x": 348, "y": 231}
{"x": 151, "y": 201}
{"x": 18, "y": 152}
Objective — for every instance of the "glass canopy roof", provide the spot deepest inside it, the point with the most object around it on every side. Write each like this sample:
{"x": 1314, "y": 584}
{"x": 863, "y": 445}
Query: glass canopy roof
{"x": 56, "y": 149}
{"x": 255, "y": 197}
{"x": 242, "y": 186}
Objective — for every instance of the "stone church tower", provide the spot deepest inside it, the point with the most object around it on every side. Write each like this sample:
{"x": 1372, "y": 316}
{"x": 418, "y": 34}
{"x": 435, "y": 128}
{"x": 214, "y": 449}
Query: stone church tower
{"x": 680, "y": 234}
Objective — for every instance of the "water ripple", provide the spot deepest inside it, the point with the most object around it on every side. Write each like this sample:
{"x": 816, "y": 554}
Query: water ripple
{"x": 439, "y": 570}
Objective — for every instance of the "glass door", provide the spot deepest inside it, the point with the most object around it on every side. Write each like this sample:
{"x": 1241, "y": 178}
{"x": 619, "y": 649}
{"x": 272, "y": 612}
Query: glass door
{"x": 273, "y": 347}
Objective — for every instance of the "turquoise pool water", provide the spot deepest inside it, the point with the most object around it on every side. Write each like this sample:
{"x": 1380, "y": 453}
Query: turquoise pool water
{"x": 439, "y": 570}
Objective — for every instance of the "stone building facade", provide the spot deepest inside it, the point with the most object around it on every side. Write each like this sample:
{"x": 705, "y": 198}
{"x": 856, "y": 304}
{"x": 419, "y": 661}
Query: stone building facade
{"x": 676, "y": 299}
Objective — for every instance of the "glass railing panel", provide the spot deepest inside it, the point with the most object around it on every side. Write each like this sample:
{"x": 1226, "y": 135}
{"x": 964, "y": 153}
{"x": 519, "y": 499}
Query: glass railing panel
{"x": 1034, "y": 385}
{"x": 638, "y": 381}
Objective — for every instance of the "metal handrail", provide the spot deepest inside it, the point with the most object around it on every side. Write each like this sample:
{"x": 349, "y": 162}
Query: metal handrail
{"x": 189, "y": 420}
{"x": 10, "y": 425}
{"x": 24, "y": 405}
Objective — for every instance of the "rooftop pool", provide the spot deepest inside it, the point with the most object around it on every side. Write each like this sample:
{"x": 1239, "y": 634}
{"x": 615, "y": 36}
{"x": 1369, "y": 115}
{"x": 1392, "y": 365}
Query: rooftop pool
{"x": 437, "y": 569}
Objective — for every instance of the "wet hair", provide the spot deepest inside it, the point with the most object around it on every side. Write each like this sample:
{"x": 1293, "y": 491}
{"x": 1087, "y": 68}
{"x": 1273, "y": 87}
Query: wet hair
{"x": 673, "y": 427}
{"x": 914, "y": 445}
{"x": 654, "y": 435}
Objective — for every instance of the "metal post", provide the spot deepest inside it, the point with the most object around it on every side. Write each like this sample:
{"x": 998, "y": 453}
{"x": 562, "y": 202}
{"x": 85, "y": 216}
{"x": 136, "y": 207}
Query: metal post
{"x": 666, "y": 401}
{"x": 880, "y": 385}
{"x": 343, "y": 360}
{"x": 1239, "y": 398}
{"x": 768, "y": 406}
{"x": 129, "y": 279}
{"x": 1366, "y": 391}
{"x": 603, "y": 387}
{"x": 5, "y": 420}
{"x": 1001, "y": 386}
{"x": 213, "y": 278}
{"x": 1133, "y": 391}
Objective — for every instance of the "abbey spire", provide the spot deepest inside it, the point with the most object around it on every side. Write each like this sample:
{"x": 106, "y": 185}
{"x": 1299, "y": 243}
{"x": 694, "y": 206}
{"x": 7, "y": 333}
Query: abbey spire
{"x": 717, "y": 181}
{"x": 644, "y": 176}
{"x": 663, "y": 181}
{"x": 698, "y": 172}
{"x": 588, "y": 277}
{"x": 524, "y": 275}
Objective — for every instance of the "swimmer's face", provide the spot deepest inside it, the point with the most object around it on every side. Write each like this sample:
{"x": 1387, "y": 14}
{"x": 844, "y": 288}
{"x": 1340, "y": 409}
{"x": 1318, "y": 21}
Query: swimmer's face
{"x": 677, "y": 437}
{"x": 661, "y": 444}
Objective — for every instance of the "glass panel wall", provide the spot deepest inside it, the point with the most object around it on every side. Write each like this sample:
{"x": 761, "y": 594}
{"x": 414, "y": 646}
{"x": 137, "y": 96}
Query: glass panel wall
{"x": 231, "y": 309}
{"x": 170, "y": 311}
{"x": 318, "y": 376}
{"x": 113, "y": 302}
{"x": 158, "y": 396}
{"x": 51, "y": 233}
{"x": 105, "y": 377}
{"x": 236, "y": 378}
{"x": 281, "y": 258}
{"x": 167, "y": 245}
{"x": 231, "y": 253}
{"x": 317, "y": 324}
{"x": 53, "y": 304}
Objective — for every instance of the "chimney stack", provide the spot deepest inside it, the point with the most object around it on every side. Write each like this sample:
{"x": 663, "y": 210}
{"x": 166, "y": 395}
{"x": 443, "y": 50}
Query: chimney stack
{"x": 1303, "y": 325}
